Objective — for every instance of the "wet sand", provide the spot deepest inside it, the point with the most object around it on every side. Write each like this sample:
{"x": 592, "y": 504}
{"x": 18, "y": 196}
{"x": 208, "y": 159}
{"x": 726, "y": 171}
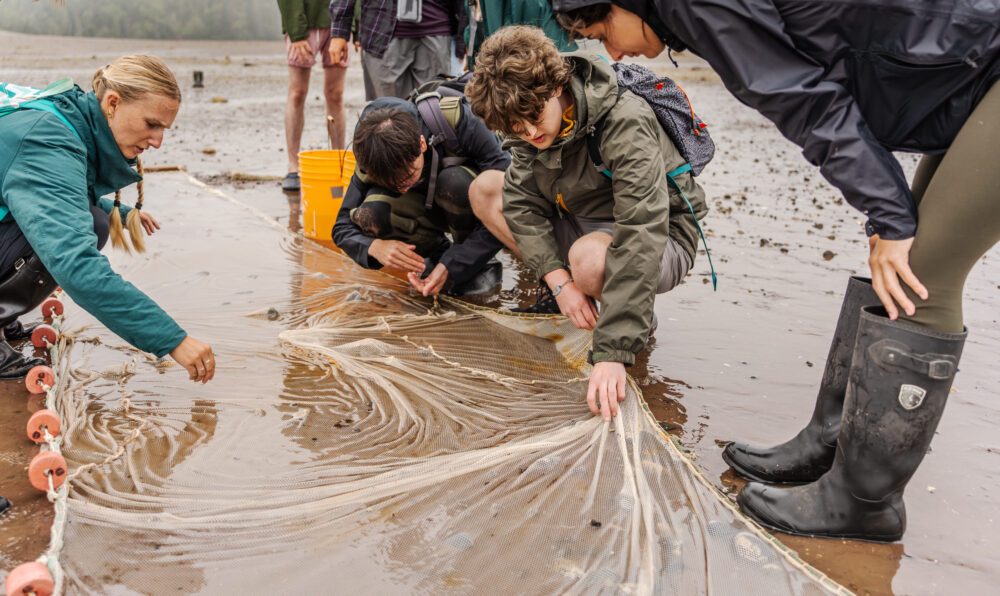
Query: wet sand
{"x": 741, "y": 363}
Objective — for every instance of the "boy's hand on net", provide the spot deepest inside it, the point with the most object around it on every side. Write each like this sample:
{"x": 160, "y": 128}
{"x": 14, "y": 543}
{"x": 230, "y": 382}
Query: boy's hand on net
{"x": 606, "y": 389}
{"x": 396, "y": 254}
{"x": 432, "y": 284}
{"x": 577, "y": 306}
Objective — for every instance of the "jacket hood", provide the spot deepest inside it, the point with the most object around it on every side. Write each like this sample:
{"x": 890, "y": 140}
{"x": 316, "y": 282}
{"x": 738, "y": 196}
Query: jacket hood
{"x": 594, "y": 86}
{"x": 107, "y": 169}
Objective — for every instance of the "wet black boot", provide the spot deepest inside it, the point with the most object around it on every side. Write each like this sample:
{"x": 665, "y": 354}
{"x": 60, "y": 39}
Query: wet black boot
{"x": 16, "y": 331}
{"x": 21, "y": 291}
{"x": 809, "y": 454}
{"x": 899, "y": 382}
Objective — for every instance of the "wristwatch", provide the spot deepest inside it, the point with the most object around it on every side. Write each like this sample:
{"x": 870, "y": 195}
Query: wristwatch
{"x": 557, "y": 289}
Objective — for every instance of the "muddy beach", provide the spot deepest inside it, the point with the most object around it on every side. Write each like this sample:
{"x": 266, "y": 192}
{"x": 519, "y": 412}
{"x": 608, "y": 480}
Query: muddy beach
{"x": 741, "y": 363}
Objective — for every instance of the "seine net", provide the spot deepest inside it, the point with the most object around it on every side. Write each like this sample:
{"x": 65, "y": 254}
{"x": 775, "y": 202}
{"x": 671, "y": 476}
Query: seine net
{"x": 357, "y": 439}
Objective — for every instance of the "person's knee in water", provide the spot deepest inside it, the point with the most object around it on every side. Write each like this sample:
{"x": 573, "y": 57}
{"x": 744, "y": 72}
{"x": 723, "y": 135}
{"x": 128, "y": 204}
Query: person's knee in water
{"x": 392, "y": 151}
{"x": 562, "y": 211}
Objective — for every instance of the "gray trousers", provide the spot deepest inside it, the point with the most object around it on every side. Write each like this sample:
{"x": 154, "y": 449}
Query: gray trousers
{"x": 407, "y": 63}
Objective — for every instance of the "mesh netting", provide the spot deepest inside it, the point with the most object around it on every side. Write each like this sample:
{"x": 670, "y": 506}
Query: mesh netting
{"x": 357, "y": 439}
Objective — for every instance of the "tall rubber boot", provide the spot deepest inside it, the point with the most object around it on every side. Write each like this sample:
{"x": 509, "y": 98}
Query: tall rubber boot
{"x": 899, "y": 383}
{"x": 21, "y": 291}
{"x": 809, "y": 454}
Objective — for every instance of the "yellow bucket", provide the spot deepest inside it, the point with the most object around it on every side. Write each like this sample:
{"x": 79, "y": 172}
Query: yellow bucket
{"x": 325, "y": 176}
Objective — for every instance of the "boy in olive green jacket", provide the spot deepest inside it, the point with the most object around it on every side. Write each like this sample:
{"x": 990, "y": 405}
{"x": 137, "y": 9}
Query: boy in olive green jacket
{"x": 620, "y": 239}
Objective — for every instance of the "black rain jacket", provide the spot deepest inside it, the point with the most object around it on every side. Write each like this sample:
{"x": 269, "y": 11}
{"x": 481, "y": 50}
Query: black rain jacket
{"x": 849, "y": 81}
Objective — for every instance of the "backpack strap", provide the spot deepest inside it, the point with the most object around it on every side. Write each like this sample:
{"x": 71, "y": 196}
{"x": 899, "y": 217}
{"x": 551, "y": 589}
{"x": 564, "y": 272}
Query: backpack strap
{"x": 442, "y": 132}
{"x": 441, "y": 115}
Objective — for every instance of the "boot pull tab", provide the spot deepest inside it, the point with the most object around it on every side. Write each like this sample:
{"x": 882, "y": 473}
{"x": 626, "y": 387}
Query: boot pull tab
{"x": 893, "y": 354}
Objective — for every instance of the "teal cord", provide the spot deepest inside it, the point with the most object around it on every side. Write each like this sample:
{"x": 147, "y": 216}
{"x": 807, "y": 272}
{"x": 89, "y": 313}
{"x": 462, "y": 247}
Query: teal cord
{"x": 670, "y": 176}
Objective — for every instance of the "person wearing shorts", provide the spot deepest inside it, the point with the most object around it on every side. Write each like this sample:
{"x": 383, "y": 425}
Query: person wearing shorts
{"x": 306, "y": 25}
{"x": 619, "y": 237}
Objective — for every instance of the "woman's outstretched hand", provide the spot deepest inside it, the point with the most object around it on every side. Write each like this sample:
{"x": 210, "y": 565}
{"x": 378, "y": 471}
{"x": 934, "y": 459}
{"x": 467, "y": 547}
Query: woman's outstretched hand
{"x": 148, "y": 223}
{"x": 890, "y": 262}
{"x": 196, "y": 357}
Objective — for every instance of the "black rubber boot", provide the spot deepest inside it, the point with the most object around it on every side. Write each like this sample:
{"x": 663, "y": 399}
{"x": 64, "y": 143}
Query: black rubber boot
{"x": 486, "y": 281}
{"x": 21, "y": 291}
{"x": 809, "y": 454}
{"x": 545, "y": 302}
{"x": 16, "y": 331}
{"x": 899, "y": 383}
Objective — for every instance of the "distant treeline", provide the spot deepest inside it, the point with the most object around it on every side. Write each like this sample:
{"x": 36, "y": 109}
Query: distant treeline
{"x": 149, "y": 19}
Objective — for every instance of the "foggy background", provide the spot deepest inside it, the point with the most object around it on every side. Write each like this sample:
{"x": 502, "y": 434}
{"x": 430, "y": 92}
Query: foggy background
{"x": 147, "y": 19}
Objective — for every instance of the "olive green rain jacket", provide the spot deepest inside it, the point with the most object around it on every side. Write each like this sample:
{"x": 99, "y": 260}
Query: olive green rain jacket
{"x": 49, "y": 177}
{"x": 544, "y": 184}
{"x": 299, "y": 16}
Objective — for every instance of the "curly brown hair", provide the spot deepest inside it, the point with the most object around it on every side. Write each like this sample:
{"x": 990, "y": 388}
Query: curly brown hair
{"x": 518, "y": 69}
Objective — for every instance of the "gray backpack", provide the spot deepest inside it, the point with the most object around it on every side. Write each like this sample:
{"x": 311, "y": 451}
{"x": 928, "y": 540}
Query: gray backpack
{"x": 673, "y": 111}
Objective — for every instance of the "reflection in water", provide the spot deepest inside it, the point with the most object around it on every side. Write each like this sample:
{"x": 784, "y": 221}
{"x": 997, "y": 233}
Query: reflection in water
{"x": 353, "y": 427}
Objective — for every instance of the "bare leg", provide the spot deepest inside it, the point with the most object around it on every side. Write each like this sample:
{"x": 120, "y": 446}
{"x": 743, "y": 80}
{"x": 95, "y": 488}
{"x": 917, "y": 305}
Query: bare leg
{"x": 486, "y": 198}
{"x": 587, "y": 261}
{"x": 298, "y": 88}
{"x": 333, "y": 90}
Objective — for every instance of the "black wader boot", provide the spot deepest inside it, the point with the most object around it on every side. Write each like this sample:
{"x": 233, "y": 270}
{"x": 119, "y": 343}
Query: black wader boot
{"x": 809, "y": 454}
{"x": 22, "y": 291}
{"x": 899, "y": 382}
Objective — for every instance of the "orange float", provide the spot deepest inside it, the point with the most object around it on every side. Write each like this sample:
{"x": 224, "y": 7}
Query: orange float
{"x": 30, "y": 578}
{"x": 41, "y": 421}
{"x": 44, "y": 465}
{"x": 44, "y": 336}
{"x": 39, "y": 376}
{"x": 52, "y": 307}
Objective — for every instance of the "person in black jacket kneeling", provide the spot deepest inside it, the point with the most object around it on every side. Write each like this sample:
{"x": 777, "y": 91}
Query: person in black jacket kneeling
{"x": 402, "y": 164}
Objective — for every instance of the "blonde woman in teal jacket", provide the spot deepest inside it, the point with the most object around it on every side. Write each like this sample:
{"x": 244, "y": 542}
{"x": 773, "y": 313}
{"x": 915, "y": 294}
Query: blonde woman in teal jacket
{"x": 58, "y": 157}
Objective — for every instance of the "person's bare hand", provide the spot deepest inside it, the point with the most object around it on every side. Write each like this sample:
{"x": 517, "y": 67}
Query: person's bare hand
{"x": 433, "y": 283}
{"x": 301, "y": 51}
{"x": 606, "y": 389}
{"x": 577, "y": 306}
{"x": 338, "y": 51}
{"x": 890, "y": 262}
{"x": 196, "y": 357}
{"x": 148, "y": 222}
{"x": 396, "y": 254}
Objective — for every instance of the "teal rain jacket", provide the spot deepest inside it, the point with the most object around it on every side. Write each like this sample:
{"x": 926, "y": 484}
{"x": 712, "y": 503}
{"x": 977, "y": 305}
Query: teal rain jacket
{"x": 49, "y": 177}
